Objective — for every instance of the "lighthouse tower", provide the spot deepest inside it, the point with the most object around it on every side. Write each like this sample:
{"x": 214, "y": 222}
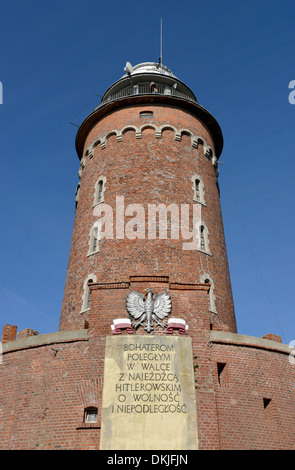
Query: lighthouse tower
{"x": 147, "y": 355}
{"x": 148, "y": 255}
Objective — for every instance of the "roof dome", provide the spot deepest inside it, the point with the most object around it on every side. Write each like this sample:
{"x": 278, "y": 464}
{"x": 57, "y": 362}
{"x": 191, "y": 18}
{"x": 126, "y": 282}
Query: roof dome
{"x": 147, "y": 67}
{"x": 137, "y": 81}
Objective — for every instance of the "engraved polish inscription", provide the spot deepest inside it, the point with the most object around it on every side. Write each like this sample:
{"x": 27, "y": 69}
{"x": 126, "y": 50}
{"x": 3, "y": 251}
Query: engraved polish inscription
{"x": 148, "y": 394}
{"x": 149, "y": 383}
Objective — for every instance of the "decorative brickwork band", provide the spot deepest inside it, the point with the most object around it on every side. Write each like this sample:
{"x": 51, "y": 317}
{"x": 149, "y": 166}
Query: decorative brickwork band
{"x": 195, "y": 139}
{"x": 160, "y": 279}
{"x": 149, "y": 279}
{"x": 178, "y": 286}
{"x": 110, "y": 285}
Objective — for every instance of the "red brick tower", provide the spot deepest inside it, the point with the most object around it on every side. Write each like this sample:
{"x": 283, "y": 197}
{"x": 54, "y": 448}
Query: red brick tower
{"x": 148, "y": 217}
{"x": 147, "y": 151}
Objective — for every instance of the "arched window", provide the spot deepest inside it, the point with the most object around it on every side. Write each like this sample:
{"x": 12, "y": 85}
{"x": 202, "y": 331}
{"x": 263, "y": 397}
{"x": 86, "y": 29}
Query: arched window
{"x": 208, "y": 280}
{"x": 86, "y": 299}
{"x": 203, "y": 238}
{"x": 94, "y": 238}
{"x": 99, "y": 190}
{"x": 198, "y": 189}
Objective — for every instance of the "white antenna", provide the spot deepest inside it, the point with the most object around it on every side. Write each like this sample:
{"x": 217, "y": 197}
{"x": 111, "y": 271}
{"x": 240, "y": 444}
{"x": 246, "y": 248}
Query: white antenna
{"x": 128, "y": 68}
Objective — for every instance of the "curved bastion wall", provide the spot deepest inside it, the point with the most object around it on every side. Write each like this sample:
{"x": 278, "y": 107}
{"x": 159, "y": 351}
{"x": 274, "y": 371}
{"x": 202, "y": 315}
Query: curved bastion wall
{"x": 244, "y": 389}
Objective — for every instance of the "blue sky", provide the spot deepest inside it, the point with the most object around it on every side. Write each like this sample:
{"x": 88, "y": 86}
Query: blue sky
{"x": 238, "y": 58}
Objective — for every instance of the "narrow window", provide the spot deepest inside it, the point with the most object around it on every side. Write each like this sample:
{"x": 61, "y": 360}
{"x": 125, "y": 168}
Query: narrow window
{"x": 95, "y": 235}
{"x": 197, "y": 189}
{"x": 99, "y": 190}
{"x": 88, "y": 294}
{"x": 94, "y": 245}
{"x": 146, "y": 114}
{"x": 90, "y": 415}
{"x": 86, "y": 299}
{"x": 207, "y": 280}
{"x": 202, "y": 239}
{"x": 77, "y": 195}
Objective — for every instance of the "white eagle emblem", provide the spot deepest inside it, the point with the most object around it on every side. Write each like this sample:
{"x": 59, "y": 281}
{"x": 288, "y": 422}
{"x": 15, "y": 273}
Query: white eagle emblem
{"x": 148, "y": 310}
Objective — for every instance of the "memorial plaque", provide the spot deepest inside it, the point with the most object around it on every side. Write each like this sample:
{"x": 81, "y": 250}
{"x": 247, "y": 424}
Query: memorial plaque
{"x": 148, "y": 394}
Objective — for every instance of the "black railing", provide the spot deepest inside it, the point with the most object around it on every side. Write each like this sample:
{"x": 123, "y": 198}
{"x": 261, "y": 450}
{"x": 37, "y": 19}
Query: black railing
{"x": 146, "y": 90}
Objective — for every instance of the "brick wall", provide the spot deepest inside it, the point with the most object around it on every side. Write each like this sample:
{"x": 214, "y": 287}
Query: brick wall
{"x": 44, "y": 391}
{"x": 254, "y": 397}
{"x": 244, "y": 386}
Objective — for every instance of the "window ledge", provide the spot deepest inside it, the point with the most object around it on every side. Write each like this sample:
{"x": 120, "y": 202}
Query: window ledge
{"x": 92, "y": 253}
{"x": 89, "y": 426}
{"x": 85, "y": 310}
{"x": 200, "y": 202}
{"x": 205, "y": 252}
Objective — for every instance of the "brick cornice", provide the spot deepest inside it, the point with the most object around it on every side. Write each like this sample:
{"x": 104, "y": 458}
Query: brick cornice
{"x": 45, "y": 340}
{"x": 194, "y": 108}
{"x": 234, "y": 339}
{"x": 147, "y": 279}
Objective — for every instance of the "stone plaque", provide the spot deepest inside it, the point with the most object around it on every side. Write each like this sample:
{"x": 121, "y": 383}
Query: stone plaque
{"x": 148, "y": 394}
